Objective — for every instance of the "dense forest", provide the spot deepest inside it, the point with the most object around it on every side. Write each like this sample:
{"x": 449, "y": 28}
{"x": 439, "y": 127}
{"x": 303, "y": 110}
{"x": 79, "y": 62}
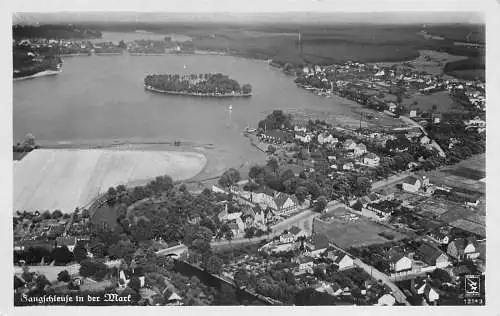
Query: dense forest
{"x": 54, "y": 31}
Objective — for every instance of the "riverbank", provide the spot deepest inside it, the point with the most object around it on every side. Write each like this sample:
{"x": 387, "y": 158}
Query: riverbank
{"x": 39, "y": 74}
{"x": 192, "y": 94}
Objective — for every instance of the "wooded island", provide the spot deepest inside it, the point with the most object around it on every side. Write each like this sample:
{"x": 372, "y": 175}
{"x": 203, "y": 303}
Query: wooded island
{"x": 217, "y": 85}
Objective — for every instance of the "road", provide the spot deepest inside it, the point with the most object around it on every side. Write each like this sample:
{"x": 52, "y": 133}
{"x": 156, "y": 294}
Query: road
{"x": 376, "y": 274}
{"x": 391, "y": 179}
{"x": 435, "y": 145}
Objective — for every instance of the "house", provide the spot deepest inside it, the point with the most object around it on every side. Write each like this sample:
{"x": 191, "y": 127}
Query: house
{"x": 340, "y": 259}
{"x": 68, "y": 241}
{"x": 440, "y": 236}
{"x": 428, "y": 292}
{"x": 305, "y": 264}
{"x": 348, "y": 166}
{"x": 392, "y": 107}
{"x": 349, "y": 144}
{"x": 305, "y": 138}
{"x": 260, "y": 219}
{"x": 174, "y": 300}
{"x": 333, "y": 289}
{"x": 371, "y": 160}
{"x": 463, "y": 249}
{"x": 399, "y": 262}
{"x": 336, "y": 289}
{"x": 433, "y": 256}
{"x": 386, "y": 300}
{"x": 287, "y": 238}
{"x": 234, "y": 221}
{"x": 424, "y": 140}
{"x": 264, "y": 198}
{"x": 413, "y": 113}
{"x": 360, "y": 150}
{"x": 317, "y": 244}
{"x": 412, "y": 184}
{"x": 285, "y": 203}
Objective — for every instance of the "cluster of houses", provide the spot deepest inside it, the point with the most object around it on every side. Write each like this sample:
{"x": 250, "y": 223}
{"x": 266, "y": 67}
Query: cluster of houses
{"x": 259, "y": 208}
{"x": 64, "y": 46}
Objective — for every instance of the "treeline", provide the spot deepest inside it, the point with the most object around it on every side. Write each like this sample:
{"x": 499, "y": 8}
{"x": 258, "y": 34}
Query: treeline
{"x": 197, "y": 83}
{"x": 26, "y": 67}
{"x": 54, "y": 31}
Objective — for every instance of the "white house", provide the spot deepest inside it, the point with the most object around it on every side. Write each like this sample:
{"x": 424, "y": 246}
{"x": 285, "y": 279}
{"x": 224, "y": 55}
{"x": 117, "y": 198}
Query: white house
{"x": 429, "y": 293}
{"x": 412, "y": 184}
{"x": 371, "y": 160}
{"x": 462, "y": 249}
{"x": 433, "y": 256}
{"x": 399, "y": 262}
{"x": 386, "y": 300}
{"x": 342, "y": 260}
{"x": 360, "y": 149}
{"x": 413, "y": 113}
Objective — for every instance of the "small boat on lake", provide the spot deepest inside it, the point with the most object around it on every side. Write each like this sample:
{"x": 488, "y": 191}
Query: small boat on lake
{"x": 230, "y": 107}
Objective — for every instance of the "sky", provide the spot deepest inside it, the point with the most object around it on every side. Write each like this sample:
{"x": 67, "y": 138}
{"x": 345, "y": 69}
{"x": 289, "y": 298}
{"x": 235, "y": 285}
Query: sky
{"x": 242, "y": 8}
{"x": 245, "y": 5}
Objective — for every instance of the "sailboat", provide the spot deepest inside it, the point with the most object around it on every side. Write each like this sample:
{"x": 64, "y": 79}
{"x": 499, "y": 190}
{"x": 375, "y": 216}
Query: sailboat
{"x": 185, "y": 66}
{"x": 230, "y": 107}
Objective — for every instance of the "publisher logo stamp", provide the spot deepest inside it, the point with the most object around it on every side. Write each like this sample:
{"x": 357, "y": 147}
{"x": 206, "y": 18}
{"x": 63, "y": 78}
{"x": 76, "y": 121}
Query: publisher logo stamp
{"x": 472, "y": 285}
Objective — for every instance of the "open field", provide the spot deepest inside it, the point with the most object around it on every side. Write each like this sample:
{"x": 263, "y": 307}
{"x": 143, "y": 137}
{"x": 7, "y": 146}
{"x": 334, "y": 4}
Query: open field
{"x": 49, "y": 179}
{"x": 465, "y": 176}
{"x": 424, "y": 102}
{"x": 429, "y": 61}
{"x": 352, "y": 233}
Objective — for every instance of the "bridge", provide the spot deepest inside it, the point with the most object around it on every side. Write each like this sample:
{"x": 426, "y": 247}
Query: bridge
{"x": 174, "y": 251}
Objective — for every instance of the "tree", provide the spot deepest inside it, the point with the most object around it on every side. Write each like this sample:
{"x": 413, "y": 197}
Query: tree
{"x": 87, "y": 268}
{"x": 301, "y": 193}
{"x": 229, "y": 178}
{"x": 41, "y": 282}
{"x": 62, "y": 255}
{"x": 273, "y": 164}
{"x": 441, "y": 275}
{"x": 123, "y": 249}
{"x": 46, "y": 215}
{"x": 320, "y": 204}
{"x": 358, "y": 206}
{"x": 214, "y": 264}
{"x": 98, "y": 249}
{"x": 246, "y": 88}
{"x": 193, "y": 232}
{"x": 311, "y": 297}
{"x": 79, "y": 252}
{"x": 241, "y": 278}
{"x": 142, "y": 230}
{"x": 63, "y": 276}
{"x": 250, "y": 232}
{"x": 29, "y": 140}
{"x": 57, "y": 214}
{"x": 135, "y": 283}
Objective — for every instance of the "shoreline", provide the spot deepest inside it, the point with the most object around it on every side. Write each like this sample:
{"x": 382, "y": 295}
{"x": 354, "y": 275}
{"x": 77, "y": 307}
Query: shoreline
{"x": 192, "y": 94}
{"x": 43, "y": 73}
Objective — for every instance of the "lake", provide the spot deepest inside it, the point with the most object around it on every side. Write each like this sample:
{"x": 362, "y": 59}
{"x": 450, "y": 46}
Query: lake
{"x": 102, "y": 98}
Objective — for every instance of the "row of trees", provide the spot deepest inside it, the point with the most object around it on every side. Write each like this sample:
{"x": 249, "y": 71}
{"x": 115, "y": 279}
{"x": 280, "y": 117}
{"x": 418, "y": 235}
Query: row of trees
{"x": 214, "y": 83}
